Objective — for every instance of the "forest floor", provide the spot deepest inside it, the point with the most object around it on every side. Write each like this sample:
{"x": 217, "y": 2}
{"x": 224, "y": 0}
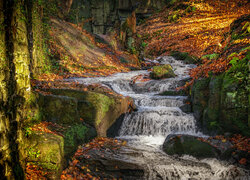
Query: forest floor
{"x": 198, "y": 28}
{"x": 210, "y": 32}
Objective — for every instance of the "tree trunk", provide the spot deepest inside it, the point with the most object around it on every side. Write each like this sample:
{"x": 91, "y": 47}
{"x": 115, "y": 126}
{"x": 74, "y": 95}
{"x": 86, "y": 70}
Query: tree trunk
{"x": 14, "y": 85}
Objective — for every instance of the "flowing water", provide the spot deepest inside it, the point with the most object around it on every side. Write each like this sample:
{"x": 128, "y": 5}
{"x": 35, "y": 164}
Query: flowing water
{"x": 158, "y": 116}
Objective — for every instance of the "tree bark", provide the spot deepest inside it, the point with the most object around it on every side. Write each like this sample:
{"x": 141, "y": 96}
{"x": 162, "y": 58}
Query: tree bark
{"x": 14, "y": 85}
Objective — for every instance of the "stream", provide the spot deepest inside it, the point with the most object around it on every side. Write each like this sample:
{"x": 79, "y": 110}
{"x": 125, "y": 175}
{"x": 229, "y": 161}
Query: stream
{"x": 146, "y": 129}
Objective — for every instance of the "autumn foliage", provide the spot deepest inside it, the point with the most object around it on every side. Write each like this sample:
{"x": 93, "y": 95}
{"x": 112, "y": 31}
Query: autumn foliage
{"x": 203, "y": 29}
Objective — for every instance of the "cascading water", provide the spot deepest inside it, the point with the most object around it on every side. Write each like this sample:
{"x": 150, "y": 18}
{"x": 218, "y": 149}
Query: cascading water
{"x": 158, "y": 116}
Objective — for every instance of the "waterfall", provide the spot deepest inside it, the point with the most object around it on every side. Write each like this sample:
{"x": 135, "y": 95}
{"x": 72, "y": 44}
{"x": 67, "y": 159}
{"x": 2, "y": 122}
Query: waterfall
{"x": 158, "y": 116}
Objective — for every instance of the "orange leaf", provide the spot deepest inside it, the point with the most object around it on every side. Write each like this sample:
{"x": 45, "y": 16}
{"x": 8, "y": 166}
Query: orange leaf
{"x": 243, "y": 161}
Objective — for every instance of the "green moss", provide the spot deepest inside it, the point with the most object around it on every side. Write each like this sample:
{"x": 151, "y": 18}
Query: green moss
{"x": 92, "y": 106}
{"x": 59, "y": 109}
{"x": 74, "y": 136}
{"x": 164, "y": 71}
{"x": 45, "y": 150}
{"x": 101, "y": 103}
{"x": 184, "y": 56}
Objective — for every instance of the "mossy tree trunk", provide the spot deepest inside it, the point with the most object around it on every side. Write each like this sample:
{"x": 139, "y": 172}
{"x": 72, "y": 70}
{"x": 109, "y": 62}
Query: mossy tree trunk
{"x": 14, "y": 85}
{"x": 37, "y": 46}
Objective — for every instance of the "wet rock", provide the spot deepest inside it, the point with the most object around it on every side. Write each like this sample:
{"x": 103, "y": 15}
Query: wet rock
{"x": 164, "y": 71}
{"x": 187, "y": 108}
{"x": 234, "y": 107}
{"x": 174, "y": 93}
{"x": 111, "y": 166}
{"x": 113, "y": 131}
{"x": 211, "y": 112}
{"x": 190, "y": 145}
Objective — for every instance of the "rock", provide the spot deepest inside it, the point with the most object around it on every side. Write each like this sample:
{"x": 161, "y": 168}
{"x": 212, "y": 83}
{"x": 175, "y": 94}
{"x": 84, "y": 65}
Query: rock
{"x": 46, "y": 150}
{"x": 59, "y": 109}
{"x": 109, "y": 161}
{"x": 234, "y": 106}
{"x": 174, "y": 93}
{"x": 199, "y": 98}
{"x": 113, "y": 131}
{"x": 110, "y": 13}
{"x": 211, "y": 113}
{"x": 187, "y": 108}
{"x": 190, "y": 145}
{"x": 51, "y": 151}
{"x": 163, "y": 71}
{"x": 99, "y": 110}
{"x": 185, "y": 57}
{"x": 220, "y": 104}
{"x": 75, "y": 136}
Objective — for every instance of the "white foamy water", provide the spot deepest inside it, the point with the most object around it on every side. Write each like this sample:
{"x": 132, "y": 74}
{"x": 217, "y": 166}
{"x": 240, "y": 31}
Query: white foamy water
{"x": 156, "y": 118}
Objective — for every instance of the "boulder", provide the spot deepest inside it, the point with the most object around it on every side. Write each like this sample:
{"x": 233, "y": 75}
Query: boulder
{"x": 46, "y": 150}
{"x": 99, "y": 110}
{"x": 190, "y": 145}
{"x": 51, "y": 151}
{"x": 163, "y": 71}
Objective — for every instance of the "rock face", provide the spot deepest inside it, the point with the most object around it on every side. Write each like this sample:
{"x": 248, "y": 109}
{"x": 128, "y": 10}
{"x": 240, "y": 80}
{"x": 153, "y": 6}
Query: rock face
{"x": 221, "y": 105}
{"x": 102, "y": 16}
{"x": 190, "y": 145}
{"x": 164, "y": 71}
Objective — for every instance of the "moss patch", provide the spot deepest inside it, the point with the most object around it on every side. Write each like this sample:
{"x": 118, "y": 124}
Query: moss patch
{"x": 74, "y": 136}
{"x": 164, "y": 71}
{"x": 45, "y": 150}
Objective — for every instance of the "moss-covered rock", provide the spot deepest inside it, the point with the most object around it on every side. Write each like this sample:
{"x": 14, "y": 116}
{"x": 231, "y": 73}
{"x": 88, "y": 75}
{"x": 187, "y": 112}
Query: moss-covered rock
{"x": 163, "y": 71}
{"x": 221, "y": 104}
{"x": 47, "y": 151}
{"x": 190, "y": 145}
{"x": 234, "y": 107}
{"x": 59, "y": 109}
{"x": 184, "y": 56}
{"x": 74, "y": 136}
{"x": 212, "y": 111}
{"x": 199, "y": 97}
{"x": 99, "y": 110}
